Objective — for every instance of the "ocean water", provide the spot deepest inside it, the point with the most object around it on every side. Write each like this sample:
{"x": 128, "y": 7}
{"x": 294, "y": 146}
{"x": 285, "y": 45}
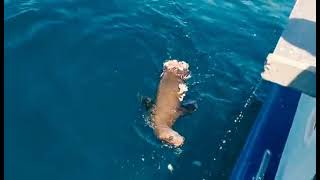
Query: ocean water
{"x": 74, "y": 69}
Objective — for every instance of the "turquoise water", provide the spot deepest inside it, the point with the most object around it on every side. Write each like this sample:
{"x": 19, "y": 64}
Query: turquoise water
{"x": 74, "y": 71}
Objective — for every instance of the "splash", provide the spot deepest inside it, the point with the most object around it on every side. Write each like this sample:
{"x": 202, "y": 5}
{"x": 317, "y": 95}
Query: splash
{"x": 172, "y": 64}
{"x": 183, "y": 88}
{"x": 180, "y": 68}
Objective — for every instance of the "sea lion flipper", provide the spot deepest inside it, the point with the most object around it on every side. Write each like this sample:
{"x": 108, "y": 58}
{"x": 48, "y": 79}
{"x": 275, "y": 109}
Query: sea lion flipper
{"x": 188, "y": 108}
{"x": 147, "y": 102}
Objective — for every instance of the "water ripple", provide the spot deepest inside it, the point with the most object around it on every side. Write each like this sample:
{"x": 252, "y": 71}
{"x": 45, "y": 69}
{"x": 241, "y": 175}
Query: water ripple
{"x": 101, "y": 53}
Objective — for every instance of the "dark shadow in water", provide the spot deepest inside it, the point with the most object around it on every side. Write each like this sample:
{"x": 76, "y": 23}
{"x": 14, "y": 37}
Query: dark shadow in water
{"x": 304, "y": 34}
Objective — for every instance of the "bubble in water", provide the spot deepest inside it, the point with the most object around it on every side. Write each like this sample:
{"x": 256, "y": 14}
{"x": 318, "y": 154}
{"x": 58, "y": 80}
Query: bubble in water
{"x": 170, "y": 167}
{"x": 178, "y": 151}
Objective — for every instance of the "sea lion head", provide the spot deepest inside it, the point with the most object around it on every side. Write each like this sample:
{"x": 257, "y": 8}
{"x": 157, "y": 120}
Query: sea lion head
{"x": 179, "y": 68}
{"x": 170, "y": 136}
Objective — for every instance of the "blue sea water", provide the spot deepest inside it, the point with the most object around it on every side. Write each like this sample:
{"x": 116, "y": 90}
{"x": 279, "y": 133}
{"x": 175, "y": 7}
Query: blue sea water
{"x": 74, "y": 69}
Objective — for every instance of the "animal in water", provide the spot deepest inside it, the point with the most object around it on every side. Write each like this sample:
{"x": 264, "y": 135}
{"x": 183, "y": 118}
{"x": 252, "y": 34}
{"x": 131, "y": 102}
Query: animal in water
{"x": 168, "y": 105}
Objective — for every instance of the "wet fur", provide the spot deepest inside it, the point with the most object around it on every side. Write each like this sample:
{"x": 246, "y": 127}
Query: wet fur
{"x": 167, "y": 105}
{"x": 167, "y": 108}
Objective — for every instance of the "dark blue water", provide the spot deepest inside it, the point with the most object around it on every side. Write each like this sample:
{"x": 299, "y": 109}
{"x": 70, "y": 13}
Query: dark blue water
{"x": 74, "y": 71}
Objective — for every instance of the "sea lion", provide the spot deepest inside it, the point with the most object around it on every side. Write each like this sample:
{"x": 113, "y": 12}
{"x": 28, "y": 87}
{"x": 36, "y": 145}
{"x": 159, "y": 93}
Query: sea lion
{"x": 168, "y": 107}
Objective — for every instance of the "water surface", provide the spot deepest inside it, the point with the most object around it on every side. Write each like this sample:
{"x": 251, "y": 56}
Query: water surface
{"x": 74, "y": 70}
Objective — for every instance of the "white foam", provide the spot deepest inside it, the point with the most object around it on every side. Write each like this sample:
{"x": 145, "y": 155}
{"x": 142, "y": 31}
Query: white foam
{"x": 181, "y": 65}
{"x": 181, "y": 97}
{"x": 170, "y": 167}
{"x": 183, "y": 88}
